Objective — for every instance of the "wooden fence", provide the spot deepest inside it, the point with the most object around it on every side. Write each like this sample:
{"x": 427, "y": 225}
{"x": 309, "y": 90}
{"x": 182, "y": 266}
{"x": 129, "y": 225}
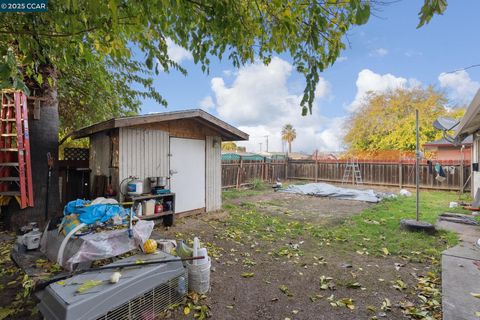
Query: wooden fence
{"x": 395, "y": 174}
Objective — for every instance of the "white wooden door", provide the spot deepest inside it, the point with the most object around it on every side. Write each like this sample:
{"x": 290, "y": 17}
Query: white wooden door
{"x": 187, "y": 173}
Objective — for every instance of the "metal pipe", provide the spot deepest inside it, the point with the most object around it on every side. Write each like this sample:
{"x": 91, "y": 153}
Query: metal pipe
{"x": 43, "y": 284}
{"x": 417, "y": 164}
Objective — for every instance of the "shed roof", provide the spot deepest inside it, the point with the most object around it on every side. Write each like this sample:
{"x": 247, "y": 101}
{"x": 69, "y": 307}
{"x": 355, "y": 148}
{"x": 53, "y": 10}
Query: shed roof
{"x": 226, "y": 131}
{"x": 470, "y": 122}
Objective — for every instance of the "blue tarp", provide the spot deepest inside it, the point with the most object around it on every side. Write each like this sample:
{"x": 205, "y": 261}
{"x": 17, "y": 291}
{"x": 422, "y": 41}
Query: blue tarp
{"x": 92, "y": 213}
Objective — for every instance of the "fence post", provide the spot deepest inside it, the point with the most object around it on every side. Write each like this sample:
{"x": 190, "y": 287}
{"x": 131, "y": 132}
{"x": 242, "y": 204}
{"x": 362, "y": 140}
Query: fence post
{"x": 286, "y": 168}
{"x": 240, "y": 166}
{"x": 400, "y": 175}
{"x": 462, "y": 178}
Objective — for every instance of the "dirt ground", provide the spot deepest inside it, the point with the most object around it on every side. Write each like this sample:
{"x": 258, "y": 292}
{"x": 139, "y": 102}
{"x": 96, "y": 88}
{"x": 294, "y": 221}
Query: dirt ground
{"x": 289, "y": 287}
{"x": 273, "y": 269}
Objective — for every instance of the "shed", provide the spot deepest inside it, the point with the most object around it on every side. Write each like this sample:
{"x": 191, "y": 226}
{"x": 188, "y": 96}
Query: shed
{"x": 470, "y": 125}
{"x": 184, "y": 146}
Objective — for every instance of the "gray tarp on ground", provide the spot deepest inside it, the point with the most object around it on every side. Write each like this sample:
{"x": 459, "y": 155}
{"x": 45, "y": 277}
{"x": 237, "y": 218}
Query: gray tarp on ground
{"x": 331, "y": 191}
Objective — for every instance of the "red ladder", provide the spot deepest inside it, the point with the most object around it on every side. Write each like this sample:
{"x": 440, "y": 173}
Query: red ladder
{"x": 15, "y": 165}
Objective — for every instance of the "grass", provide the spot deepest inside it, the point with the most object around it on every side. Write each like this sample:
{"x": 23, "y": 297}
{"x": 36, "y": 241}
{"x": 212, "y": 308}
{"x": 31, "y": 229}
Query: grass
{"x": 375, "y": 231}
{"x": 379, "y": 227}
{"x": 258, "y": 187}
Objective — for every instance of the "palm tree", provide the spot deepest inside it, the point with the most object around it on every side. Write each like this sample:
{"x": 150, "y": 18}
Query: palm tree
{"x": 289, "y": 134}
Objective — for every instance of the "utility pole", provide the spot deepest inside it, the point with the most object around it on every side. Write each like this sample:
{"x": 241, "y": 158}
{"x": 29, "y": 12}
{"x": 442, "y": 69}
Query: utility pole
{"x": 417, "y": 165}
{"x": 267, "y": 142}
{"x": 260, "y": 146}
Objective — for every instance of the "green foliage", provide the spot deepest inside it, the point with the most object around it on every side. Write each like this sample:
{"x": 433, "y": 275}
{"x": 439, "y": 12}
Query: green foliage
{"x": 386, "y": 121}
{"x": 258, "y": 184}
{"x": 429, "y": 9}
{"x": 35, "y": 48}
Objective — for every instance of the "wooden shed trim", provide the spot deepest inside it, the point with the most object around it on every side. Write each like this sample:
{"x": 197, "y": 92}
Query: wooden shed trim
{"x": 226, "y": 131}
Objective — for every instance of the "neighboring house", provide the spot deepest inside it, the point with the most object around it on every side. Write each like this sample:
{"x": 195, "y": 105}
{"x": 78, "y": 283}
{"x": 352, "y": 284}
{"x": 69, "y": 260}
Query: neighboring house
{"x": 324, "y": 156}
{"x": 445, "y": 150}
{"x": 298, "y": 156}
{"x": 470, "y": 126}
{"x": 184, "y": 146}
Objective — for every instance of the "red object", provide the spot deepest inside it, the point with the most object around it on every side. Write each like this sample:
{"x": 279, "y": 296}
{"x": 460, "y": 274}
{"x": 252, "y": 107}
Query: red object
{"x": 471, "y": 208}
{"x": 158, "y": 207}
{"x": 15, "y": 177}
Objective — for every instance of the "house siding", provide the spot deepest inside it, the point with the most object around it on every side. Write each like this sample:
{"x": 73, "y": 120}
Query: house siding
{"x": 475, "y": 159}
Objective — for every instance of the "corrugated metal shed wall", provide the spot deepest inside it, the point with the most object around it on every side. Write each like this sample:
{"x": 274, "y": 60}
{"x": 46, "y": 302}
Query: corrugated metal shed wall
{"x": 213, "y": 171}
{"x": 143, "y": 153}
{"x": 99, "y": 155}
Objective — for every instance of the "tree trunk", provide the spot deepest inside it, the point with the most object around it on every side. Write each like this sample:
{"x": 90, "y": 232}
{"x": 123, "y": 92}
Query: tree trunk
{"x": 43, "y": 139}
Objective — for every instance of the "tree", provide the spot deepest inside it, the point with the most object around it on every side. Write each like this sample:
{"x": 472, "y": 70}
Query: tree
{"x": 229, "y": 146}
{"x": 41, "y": 46}
{"x": 289, "y": 134}
{"x": 386, "y": 121}
{"x": 122, "y": 44}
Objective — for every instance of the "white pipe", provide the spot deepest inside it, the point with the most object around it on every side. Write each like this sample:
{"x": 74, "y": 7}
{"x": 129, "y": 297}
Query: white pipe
{"x": 64, "y": 242}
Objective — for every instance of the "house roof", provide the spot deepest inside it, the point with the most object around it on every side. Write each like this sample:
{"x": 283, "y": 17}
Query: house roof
{"x": 444, "y": 143}
{"x": 226, "y": 131}
{"x": 470, "y": 122}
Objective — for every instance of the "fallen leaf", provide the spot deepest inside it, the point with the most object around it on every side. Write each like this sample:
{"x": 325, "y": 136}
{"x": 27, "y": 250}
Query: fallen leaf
{"x": 248, "y": 274}
{"x": 386, "y": 304}
{"x": 294, "y": 311}
{"x": 87, "y": 285}
{"x": 476, "y": 295}
{"x": 371, "y": 308}
{"x": 285, "y": 290}
{"x": 186, "y": 310}
{"x": 354, "y": 285}
{"x": 385, "y": 251}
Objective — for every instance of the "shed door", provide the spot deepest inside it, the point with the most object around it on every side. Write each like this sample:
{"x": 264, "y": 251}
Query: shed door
{"x": 187, "y": 173}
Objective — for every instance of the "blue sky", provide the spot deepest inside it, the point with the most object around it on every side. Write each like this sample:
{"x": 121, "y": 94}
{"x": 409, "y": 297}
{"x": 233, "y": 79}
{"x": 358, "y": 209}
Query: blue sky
{"x": 385, "y": 53}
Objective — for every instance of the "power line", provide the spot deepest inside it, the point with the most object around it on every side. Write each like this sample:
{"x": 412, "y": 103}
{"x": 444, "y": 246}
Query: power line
{"x": 463, "y": 69}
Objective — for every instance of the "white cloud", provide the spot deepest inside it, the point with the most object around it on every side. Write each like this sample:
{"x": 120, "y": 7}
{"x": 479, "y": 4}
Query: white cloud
{"x": 177, "y": 53}
{"x": 260, "y": 102}
{"x": 413, "y": 53}
{"x": 206, "y": 103}
{"x": 379, "y": 52}
{"x": 369, "y": 81}
{"x": 460, "y": 86}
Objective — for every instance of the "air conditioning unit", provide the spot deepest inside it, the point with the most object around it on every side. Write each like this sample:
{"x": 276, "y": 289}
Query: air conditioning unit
{"x": 143, "y": 292}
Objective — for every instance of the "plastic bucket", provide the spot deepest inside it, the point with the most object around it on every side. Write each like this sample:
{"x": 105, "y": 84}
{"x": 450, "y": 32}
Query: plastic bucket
{"x": 199, "y": 277}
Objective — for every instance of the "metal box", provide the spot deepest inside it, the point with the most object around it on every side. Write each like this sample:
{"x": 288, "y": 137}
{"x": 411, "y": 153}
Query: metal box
{"x": 143, "y": 292}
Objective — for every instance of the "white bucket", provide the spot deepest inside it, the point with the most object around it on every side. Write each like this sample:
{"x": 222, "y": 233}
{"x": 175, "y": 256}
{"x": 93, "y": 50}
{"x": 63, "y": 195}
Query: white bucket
{"x": 199, "y": 277}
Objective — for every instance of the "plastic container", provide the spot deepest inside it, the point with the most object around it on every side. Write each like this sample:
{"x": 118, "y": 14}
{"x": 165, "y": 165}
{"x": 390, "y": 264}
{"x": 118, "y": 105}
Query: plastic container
{"x": 135, "y": 187}
{"x": 158, "y": 207}
{"x": 202, "y": 252}
{"x": 148, "y": 207}
{"x": 199, "y": 277}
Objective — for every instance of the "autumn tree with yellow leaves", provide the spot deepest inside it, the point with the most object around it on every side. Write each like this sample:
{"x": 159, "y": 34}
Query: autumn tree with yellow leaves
{"x": 386, "y": 121}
